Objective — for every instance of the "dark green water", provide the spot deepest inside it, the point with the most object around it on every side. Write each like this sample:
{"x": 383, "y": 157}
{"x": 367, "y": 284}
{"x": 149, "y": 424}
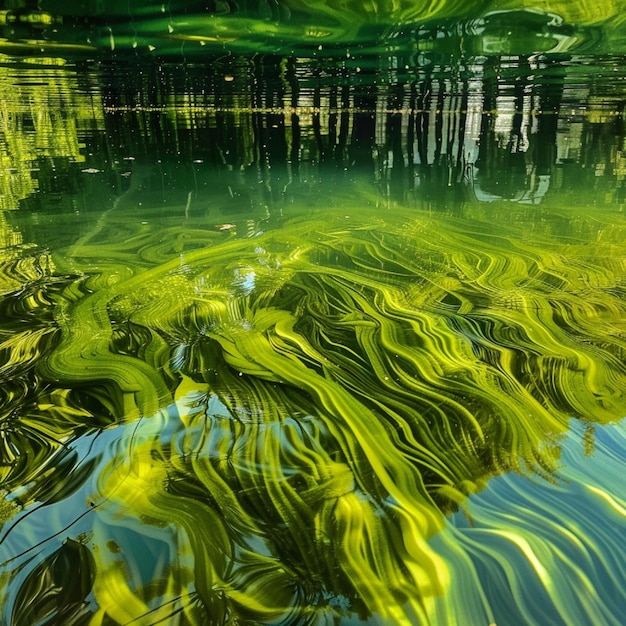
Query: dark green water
{"x": 312, "y": 313}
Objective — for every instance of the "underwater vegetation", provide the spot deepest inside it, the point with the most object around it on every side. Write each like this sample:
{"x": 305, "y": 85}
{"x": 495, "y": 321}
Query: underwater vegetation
{"x": 204, "y": 428}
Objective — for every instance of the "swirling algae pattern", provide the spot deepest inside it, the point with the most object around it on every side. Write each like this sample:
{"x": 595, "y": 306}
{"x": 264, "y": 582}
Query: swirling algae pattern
{"x": 333, "y": 24}
{"x": 273, "y": 429}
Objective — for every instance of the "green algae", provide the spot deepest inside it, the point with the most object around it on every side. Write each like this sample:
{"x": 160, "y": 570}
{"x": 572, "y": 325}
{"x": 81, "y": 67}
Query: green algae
{"x": 336, "y": 385}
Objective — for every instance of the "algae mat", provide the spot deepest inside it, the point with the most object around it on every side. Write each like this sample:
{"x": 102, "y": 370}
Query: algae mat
{"x": 362, "y": 414}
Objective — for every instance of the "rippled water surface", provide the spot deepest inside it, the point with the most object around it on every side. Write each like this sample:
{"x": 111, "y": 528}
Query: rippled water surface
{"x": 312, "y": 313}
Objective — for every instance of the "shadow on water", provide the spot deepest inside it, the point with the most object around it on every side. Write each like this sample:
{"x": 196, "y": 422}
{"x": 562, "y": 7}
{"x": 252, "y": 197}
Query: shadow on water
{"x": 311, "y": 335}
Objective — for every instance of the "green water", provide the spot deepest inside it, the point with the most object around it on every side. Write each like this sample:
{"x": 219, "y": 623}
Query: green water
{"x": 312, "y": 313}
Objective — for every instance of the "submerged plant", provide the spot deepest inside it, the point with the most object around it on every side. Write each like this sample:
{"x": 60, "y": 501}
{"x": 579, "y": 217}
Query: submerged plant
{"x": 312, "y": 401}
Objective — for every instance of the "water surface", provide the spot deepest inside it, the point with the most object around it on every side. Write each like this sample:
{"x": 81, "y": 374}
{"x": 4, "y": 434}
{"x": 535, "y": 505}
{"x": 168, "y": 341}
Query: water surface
{"x": 312, "y": 314}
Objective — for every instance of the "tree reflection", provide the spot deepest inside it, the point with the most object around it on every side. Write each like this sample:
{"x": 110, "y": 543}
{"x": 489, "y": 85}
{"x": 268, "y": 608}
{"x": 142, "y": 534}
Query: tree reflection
{"x": 502, "y": 131}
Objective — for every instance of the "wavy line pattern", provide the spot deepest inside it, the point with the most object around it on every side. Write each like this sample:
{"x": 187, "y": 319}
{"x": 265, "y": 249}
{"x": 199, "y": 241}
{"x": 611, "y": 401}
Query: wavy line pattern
{"x": 537, "y": 553}
{"x": 333, "y": 388}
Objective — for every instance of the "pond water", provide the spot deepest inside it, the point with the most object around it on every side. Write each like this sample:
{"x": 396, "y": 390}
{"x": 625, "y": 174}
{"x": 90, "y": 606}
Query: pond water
{"x": 312, "y": 313}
